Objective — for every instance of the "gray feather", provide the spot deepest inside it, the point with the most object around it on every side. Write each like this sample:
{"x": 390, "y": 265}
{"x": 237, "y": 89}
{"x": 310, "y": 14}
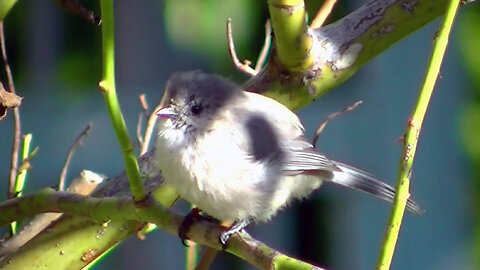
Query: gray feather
{"x": 354, "y": 178}
{"x": 303, "y": 157}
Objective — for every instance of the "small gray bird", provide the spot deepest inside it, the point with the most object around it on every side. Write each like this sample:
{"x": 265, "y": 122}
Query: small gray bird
{"x": 239, "y": 156}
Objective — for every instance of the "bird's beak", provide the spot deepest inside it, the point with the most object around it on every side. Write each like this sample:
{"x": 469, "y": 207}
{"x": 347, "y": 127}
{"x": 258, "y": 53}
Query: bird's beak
{"x": 166, "y": 112}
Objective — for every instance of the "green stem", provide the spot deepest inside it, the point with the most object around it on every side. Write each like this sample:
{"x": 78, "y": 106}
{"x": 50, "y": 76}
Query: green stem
{"x": 109, "y": 93}
{"x": 21, "y": 176}
{"x": 292, "y": 39}
{"x": 5, "y": 6}
{"x": 411, "y": 139}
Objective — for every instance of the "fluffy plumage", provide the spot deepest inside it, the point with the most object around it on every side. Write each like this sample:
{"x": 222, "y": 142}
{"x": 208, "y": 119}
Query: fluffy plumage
{"x": 238, "y": 155}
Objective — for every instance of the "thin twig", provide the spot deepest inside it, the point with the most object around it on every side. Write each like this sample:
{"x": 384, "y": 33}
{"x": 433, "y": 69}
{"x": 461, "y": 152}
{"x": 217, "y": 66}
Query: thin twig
{"x": 323, "y": 13}
{"x": 245, "y": 66}
{"x": 76, "y": 7}
{"x": 320, "y": 128}
{"x": 149, "y": 129}
{"x": 76, "y": 143}
{"x": 16, "y": 120}
{"x": 266, "y": 46}
{"x": 143, "y": 102}
{"x": 139, "y": 130}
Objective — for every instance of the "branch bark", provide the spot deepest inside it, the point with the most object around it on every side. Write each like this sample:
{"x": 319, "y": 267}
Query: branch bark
{"x": 337, "y": 50}
{"x": 116, "y": 210}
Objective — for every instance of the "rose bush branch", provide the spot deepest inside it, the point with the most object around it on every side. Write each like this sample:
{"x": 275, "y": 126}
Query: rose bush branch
{"x": 411, "y": 139}
{"x": 105, "y": 210}
{"x": 306, "y": 63}
{"x": 107, "y": 85}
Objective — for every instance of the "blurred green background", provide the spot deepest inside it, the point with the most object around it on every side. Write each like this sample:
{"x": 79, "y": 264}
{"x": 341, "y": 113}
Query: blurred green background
{"x": 55, "y": 57}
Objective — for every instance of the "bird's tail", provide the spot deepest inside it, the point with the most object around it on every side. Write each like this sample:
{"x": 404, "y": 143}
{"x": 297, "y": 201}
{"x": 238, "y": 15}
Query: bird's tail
{"x": 354, "y": 178}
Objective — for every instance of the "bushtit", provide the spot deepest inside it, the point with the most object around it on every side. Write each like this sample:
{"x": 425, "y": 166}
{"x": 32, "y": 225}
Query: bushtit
{"x": 239, "y": 156}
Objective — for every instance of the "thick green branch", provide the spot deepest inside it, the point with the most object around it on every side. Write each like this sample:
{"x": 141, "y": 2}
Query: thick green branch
{"x": 114, "y": 209}
{"x": 110, "y": 95}
{"x": 292, "y": 40}
{"x": 338, "y": 49}
{"x": 411, "y": 139}
{"x": 5, "y": 6}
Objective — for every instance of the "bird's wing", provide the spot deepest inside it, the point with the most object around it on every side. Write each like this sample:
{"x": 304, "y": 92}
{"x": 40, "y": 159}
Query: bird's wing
{"x": 302, "y": 157}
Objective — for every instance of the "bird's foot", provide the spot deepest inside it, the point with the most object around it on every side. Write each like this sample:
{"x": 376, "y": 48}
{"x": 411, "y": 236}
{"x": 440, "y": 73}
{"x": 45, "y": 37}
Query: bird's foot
{"x": 189, "y": 219}
{"x": 238, "y": 226}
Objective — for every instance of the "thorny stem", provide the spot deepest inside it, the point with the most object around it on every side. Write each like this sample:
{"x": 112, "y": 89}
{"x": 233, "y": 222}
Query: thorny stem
{"x": 107, "y": 84}
{"x": 411, "y": 139}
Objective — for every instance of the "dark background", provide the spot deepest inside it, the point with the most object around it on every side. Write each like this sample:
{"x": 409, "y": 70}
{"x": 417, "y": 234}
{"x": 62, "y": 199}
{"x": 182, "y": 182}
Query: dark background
{"x": 56, "y": 60}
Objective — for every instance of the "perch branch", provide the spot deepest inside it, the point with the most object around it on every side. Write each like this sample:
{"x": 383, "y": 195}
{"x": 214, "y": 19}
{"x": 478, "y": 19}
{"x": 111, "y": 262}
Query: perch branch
{"x": 411, "y": 139}
{"x": 114, "y": 208}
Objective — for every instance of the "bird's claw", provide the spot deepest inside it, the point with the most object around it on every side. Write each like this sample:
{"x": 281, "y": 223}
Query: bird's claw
{"x": 186, "y": 223}
{"x": 235, "y": 228}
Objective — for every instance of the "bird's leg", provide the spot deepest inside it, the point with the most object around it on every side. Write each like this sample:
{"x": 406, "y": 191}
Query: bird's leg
{"x": 189, "y": 219}
{"x": 235, "y": 228}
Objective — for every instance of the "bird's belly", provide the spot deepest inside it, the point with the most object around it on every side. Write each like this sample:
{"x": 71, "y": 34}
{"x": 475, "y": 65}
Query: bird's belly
{"x": 245, "y": 190}
{"x": 223, "y": 191}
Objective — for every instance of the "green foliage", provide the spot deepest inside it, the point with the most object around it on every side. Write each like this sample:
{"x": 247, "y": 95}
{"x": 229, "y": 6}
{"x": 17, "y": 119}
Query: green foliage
{"x": 200, "y": 26}
{"x": 469, "y": 35}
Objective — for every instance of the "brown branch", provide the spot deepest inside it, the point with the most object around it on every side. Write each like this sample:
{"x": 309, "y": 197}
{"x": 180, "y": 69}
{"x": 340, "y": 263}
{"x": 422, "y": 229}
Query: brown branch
{"x": 139, "y": 130}
{"x": 76, "y": 143}
{"x": 140, "y": 138}
{"x": 323, "y": 13}
{"x": 245, "y": 66}
{"x": 76, "y": 7}
{"x": 143, "y": 102}
{"x": 16, "y": 120}
{"x": 266, "y": 46}
{"x": 320, "y": 128}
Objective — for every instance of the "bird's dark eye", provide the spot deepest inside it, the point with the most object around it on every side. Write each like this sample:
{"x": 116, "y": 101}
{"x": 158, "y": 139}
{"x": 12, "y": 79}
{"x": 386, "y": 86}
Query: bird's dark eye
{"x": 196, "y": 109}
